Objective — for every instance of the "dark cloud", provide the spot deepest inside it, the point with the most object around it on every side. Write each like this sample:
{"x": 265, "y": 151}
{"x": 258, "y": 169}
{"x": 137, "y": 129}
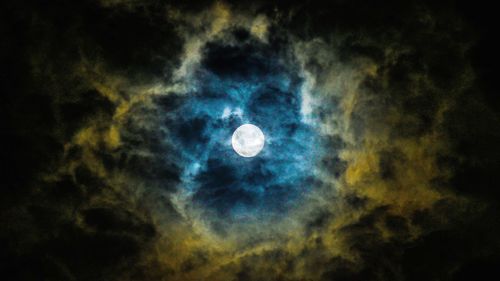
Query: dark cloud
{"x": 114, "y": 116}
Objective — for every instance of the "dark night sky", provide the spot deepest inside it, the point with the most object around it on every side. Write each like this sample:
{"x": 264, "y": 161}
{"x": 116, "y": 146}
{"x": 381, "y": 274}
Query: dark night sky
{"x": 382, "y": 124}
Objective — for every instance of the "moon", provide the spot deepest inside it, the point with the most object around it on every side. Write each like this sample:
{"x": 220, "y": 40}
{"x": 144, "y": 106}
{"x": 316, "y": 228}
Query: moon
{"x": 248, "y": 140}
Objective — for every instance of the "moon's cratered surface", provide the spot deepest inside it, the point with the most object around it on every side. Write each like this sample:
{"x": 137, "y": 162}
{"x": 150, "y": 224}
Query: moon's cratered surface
{"x": 248, "y": 140}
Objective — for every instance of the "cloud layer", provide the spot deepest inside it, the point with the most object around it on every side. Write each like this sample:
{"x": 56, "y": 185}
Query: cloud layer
{"x": 122, "y": 168}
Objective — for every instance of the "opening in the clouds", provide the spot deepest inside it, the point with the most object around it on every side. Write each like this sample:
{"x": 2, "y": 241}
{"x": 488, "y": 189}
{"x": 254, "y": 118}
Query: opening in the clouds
{"x": 247, "y": 82}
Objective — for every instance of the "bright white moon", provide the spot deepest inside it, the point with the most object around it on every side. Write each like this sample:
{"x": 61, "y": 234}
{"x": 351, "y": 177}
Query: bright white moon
{"x": 248, "y": 140}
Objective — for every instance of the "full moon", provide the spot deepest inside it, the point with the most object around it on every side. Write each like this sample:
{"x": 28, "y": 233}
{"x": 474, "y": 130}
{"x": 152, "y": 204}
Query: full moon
{"x": 248, "y": 140}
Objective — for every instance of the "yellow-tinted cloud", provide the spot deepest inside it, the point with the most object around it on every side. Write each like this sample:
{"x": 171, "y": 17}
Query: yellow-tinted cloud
{"x": 189, "y": 250}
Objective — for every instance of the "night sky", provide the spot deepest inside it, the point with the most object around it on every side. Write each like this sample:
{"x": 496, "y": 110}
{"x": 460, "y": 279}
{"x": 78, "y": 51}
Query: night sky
{"x": 381, "y": 157}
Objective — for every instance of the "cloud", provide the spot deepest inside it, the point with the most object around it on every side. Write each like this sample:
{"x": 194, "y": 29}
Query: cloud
{"x": 359, "y": 171}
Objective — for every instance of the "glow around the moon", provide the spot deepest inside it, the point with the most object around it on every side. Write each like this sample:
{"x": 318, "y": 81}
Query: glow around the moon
{"x": 248, "y": 140}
